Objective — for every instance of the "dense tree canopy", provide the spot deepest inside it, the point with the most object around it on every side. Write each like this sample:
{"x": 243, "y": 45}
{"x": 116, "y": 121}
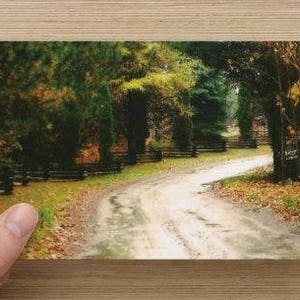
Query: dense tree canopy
{"x": 57, "y": 97}
{"x": 269, "y": 72}
{"x": 209, "y": 100}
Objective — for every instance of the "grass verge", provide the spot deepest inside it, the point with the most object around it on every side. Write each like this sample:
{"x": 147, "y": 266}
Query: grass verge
{"x": 53, "y": 199}
{"x": 256, "y": 190}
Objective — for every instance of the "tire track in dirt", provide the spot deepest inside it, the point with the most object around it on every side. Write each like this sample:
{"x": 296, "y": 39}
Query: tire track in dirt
{"x": 174, "y": 216}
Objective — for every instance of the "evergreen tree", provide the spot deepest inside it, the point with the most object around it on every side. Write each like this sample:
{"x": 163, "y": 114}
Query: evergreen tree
{"x": 105, "y": 122}
{"x": 208, "y": 101}
{"x": 245, "y": 113}
{"x": 66, "y": 122}
{"x": 154, "y": 78}
{"x": 182, "y": 132}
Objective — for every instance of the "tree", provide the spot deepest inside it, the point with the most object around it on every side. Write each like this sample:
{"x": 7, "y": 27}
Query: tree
{"x": 182, "y": 131}
{"x": 287, "y": 57}
{"x": 245, "y": 113}
{"x": 22, "y": 67}
{"x": 262, "y": 69}
{"x": 87, "y": 69}
{"x": 212, "y": 94}
{"x": 152, "y": 79}
{"x": 209, "y": 101}
{"x": 66, "y": 122}
{"x": 105, "y": 123}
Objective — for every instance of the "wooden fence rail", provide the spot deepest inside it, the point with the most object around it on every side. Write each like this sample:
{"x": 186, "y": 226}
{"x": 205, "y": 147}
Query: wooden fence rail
{"x": 236, "y": 143}
{"x": 220, "y": 146}
{"x": 192, "y": 151}
{"x": 6, "y": 180}
{"x": 18, "y": 175}
{"x": 150, "y": 155}
{"x": 175, "y": 152}
{"x": 263, "y": 140}
{"x": 95, "y": 169}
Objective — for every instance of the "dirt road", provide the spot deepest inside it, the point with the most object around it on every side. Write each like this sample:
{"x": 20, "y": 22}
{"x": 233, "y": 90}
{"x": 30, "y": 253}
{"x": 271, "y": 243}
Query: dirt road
{"x": 175, "y": 216}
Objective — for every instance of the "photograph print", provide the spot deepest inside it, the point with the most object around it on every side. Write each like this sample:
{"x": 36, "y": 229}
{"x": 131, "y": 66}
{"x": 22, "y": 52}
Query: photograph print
{"x": 153, "y": 150}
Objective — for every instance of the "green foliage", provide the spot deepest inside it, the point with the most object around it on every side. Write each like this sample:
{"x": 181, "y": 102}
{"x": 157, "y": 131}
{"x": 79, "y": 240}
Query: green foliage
{"x": 232, "y": 105}
{"x": 156, "y": 69}
{"x": 245, "y": 113}
{"x": 66, "y": 128}
{"x": 105, "y": 123}
{"x": 137, "y": 122}
{"x": 152, "y": 79}
{"x": 183, "y": 126}
{"x": 182, "y": 131}
{"x": 59, "y": 96}
{"x": 21, "y": 68}
{"x": 208, "y": 100}
{"x": 212, "y": 98}
{"x": 268, "y": 71}
{"x": 45, "y": 91}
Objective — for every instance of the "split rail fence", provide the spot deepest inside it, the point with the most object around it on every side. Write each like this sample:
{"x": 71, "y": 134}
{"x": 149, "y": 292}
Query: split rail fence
{"x": 11, "y": 175}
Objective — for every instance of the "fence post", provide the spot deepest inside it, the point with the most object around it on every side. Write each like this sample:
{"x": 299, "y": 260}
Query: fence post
{"x": 8, "y": 181}
{"x": 119, "y": 167}
{"x": 194, "y": 151}
{"x": 25, "y": 179}
{"x": 159, "y": 155}
{"x": 224, "y": 145}
{"x": 83, "y": 173}
{"x": 46, "y": 174}
{"x": 255, "y": 143}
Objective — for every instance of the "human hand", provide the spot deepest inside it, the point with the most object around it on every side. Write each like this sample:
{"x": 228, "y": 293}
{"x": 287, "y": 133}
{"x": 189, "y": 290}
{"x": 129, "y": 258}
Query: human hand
{"x": 16, "y": 226}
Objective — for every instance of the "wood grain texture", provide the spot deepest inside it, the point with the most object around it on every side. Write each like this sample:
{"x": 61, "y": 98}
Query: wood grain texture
{"x": 154, "y": 280}
{"x": 150, "y": 20}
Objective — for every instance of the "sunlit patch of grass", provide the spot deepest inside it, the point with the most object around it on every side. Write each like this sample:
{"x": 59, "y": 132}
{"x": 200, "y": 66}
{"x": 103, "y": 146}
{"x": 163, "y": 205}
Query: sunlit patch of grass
{"x": 47, "y": 214}
{"x": 232, "y": 180}
{"x": 259, "y": 175}
{"x": 52, "y": 198}
{"x": 252, "y": 196}
{"x": 292, "y": 204}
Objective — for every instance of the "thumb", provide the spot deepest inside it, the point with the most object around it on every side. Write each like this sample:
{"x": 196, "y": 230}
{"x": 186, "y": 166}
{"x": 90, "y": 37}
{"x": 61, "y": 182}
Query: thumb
{"x": 16, "y": 227}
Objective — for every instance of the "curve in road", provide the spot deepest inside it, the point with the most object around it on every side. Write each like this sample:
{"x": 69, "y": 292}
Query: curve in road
{"x": 175, "y": 216}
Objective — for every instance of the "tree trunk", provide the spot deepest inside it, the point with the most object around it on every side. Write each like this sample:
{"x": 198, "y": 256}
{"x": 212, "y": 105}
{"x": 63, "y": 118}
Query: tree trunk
{"x": 283, "y": 169}
{"x": 137, "y": 125}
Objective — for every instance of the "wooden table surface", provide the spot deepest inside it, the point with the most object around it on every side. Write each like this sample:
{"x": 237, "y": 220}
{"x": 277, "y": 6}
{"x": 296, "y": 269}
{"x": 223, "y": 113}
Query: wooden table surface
{"x": 151, "y": 20}
{"x": 196, "y": 20}
{"x": 139, "y": 279}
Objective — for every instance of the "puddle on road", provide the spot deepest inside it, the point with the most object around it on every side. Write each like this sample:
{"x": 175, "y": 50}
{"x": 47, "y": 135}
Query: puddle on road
{"x": 128, "y": 218}
{"x": 118, "y": 248}
{"x": 205, "y": 187}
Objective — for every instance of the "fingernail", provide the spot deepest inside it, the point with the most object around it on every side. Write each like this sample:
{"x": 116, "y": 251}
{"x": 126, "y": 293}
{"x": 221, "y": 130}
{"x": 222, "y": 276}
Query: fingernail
{"x": 21, "y": 220}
